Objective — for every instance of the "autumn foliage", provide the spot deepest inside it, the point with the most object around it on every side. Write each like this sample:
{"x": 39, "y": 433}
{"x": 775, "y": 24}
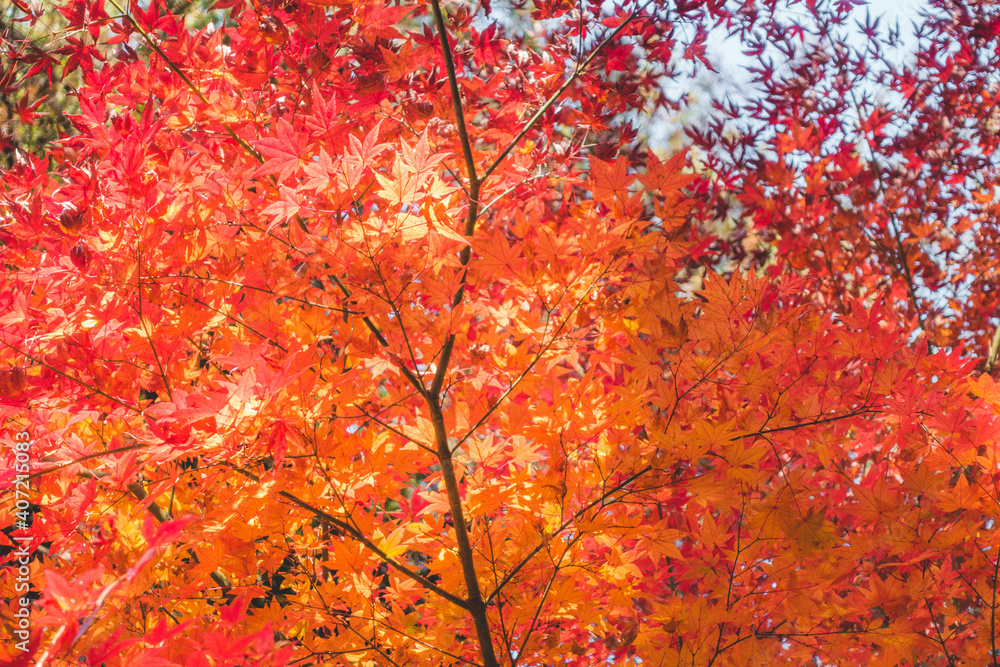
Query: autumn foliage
{"x": 383, "y": 333}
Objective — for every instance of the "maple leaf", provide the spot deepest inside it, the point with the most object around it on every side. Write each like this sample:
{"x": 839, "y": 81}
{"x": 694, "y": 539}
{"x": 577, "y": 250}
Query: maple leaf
{"x": 283, "y": 209}
{"x": 285, "y": 151}
{"x": 611, "y": 179}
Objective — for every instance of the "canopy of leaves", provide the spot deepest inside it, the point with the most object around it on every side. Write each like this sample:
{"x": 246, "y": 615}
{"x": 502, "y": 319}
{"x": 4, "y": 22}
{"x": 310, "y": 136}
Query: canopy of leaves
{"x": 372, "y": 333}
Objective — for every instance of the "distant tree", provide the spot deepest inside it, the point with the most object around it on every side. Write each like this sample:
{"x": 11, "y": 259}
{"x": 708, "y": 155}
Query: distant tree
{"x": 367, "y": 333}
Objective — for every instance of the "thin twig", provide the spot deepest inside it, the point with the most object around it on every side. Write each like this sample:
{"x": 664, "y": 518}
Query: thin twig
{"x": 541, "y": 605}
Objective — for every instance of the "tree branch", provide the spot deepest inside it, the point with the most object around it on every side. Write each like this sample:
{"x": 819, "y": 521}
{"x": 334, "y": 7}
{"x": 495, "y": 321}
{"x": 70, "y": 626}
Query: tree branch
{"x": 991, "y": 359}
{"x": 566, "y": 524}
{"x": 562, "y": 89}
{"x": 541, "y": 605}
{"x": 162, "y": 516}
{"x": 432, "y": 395}
{"x": 476, "y": 606}
{"x": 358, "y": 536}
{"x": 190, "y": 84}
{"x": 456, "y": 102}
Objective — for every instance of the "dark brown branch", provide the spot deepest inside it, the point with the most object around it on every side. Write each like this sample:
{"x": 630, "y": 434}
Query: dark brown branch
{"x": 940, "y": 637}
{"x": 476, "y": 606}
{"x": 407, "y": 373}
{"x": 76, "y": 380}
{"x": 162, "y": 516}
{"x": 538, "y": 357}
{"x": 814, "y": 422}
{"x": 391, "y": 428}
{"x": 474, "y": 187}
{"x": 456, "y": 103}
{"x": 566, "y": 524}
{"x": 190, "y": 84}
{"x": 355, "y": 534}
{"x": 541, "y": 605}
{"x": 622, "y": 486}
{"x": 562, "y": 89}
{"x": 86, "y": 457}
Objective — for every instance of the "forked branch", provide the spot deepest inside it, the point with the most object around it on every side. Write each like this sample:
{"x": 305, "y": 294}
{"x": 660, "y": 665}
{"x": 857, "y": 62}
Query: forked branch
{"x": 432, "y": 395}
{"x": 364, "y": 540}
